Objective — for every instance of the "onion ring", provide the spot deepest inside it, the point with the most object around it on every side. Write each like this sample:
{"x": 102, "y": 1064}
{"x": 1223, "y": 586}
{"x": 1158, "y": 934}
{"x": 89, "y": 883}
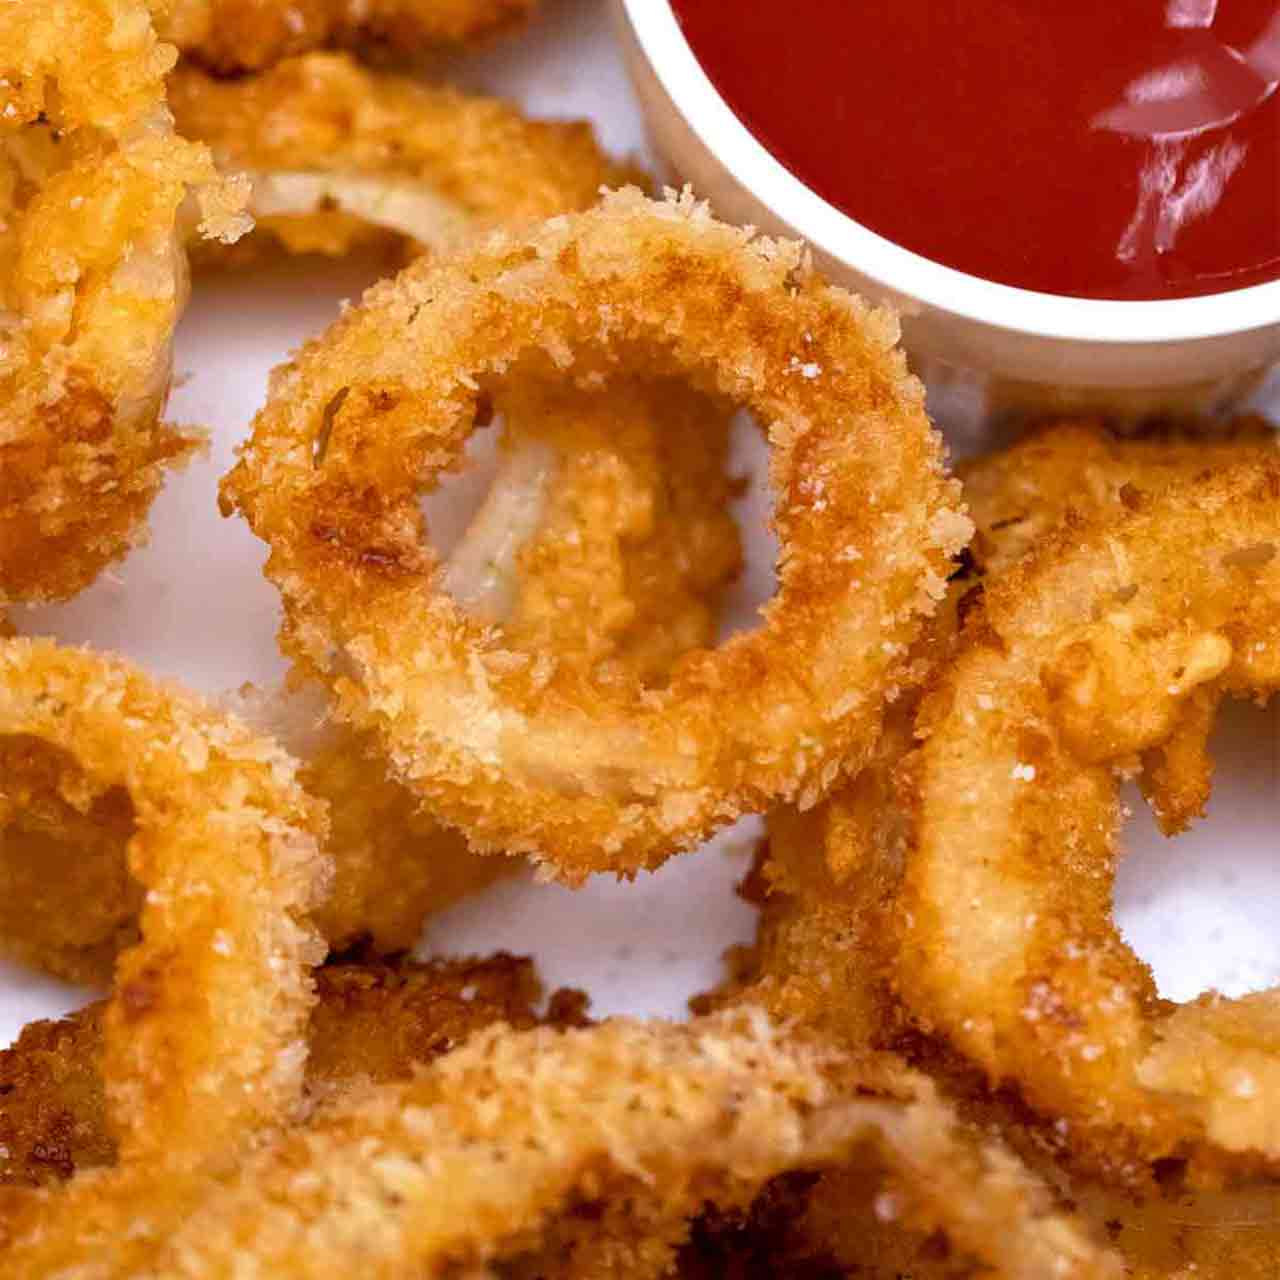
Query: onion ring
{"x": 470, "y": 1162}
{"x": 340, "y": 157}
{"x": 1071, "y": 470}
{"x": 581, "y": 776}
{"x": 1018, "y": 496}
{"x": 371, "y": 1021}
{"x": 202, "y": 1039}
{"x": 246, "y": 35}
{"x": 92, "y": 279}
{"x": 609, "y": 556}
{"x": 1085, "y": 661}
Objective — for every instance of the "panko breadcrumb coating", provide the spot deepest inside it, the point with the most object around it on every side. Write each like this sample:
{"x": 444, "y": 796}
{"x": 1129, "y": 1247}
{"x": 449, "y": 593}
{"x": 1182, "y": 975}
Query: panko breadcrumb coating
{"x": 527, "y": 758}
{"x": 1083, "y": 663}
{"x": 472, "y": 1161}
{"x": 824, "y": 955}
{"x": 247, "y": 35}
{"x": 1071, "y": 470}
{"x": 92, "y": 280}
{"x": 393, "y": 865}
{"x": 628, "y": 546}
{"x": 631, "y": 541}
{"x": 1018, "y": 496}
{"x": 68, "y": 904}
{"x": 371, "y": 1021}
{"x": 203, "y": 1036}
{"x": 339, "y": 156}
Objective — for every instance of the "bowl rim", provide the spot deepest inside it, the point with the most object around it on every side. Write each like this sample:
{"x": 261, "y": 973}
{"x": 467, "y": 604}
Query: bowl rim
{"x": 900, "y": 271}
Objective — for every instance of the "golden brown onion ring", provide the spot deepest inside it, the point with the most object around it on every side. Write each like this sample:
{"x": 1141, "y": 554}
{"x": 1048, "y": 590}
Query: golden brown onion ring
{"x": 610, "y": 556}
{"x": 339, "y": 156}
{"x": 203, "y": 1037}
{"x": 474, "y": 1160}
{"x": 1085, "y": 661}
{"x": 371, "y": 1021}
{"x": 92, "y": 279}
{"x": 583, "y": 776}
{"x": 1017, "y": 497}
{"x": 246, "y": 35}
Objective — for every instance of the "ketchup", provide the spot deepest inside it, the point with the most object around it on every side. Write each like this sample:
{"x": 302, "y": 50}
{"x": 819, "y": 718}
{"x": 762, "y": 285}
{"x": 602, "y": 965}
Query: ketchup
{"x": 1094, "y": 148}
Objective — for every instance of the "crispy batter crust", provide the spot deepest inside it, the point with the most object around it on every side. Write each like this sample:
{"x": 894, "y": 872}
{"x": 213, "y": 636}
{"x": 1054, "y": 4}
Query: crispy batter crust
{"x": 824, "y": 955}
{"x": 340, "y": 156}
{"x": 247, "y": 35}
{"x": 1018, "y": 496}
{"x": 92, "y": 279}
{"x": 619, "y": 575}
{"x": 371, "y": 1021}
{"x": 1083, "y": 663}
{"x": 470, "y": 1162}
{"x": 202, "y": 1039}
{"x": 582, "y": 776}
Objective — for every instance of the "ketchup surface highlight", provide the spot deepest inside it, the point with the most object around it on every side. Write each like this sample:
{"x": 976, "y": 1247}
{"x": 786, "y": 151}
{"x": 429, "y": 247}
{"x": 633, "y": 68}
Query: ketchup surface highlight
{"x": 1125, "y": 149}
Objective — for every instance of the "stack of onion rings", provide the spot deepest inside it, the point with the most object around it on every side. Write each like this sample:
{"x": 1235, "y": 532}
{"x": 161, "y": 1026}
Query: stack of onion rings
{"x": 605, "y": 540}
{"x": 830, "y": 889}
{"x": 92, "y": 279}
{"x": 472, "y": 1161}
{"x": 582, "y": 776}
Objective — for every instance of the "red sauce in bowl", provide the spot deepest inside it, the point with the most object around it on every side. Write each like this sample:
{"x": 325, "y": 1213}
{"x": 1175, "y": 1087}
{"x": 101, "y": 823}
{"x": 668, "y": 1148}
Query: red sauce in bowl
{"x": 1094, "y": 148}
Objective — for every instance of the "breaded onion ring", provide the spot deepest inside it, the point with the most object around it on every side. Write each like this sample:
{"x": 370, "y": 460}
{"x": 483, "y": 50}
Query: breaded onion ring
{"x": 246, "y": 35}
{"x": 1086, "y": 660}
{"x": 606, "y": 541}
{"x": 473, "y": 1161}
{"x": 203, "y": 1037}
{"x": 1016, "y": 497}
{"x": 339, "y": 156}
{"x": 92, "y": 279}
{"x": 370, "y": 1022}
{"x": 584, "y": 776}
{"x": 68, "y": 904}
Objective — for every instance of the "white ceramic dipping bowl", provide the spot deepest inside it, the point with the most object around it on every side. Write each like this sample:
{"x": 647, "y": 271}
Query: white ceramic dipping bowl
{"x": 985, "y": 350}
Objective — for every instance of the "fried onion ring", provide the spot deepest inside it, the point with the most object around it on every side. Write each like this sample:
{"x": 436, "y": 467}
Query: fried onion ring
{"x": 92, "y": 279}
{"x": 471, "y": 1162}
{"x": 203, "y": 1037}
{"x": 612, "y": 555}
{"x": 339, "y": 157}
{"x": 582, "y": 776}
{"x": 1016, "y": 498}
{"x": 246, "y": 35}
{"x": 371, "y": 1021}
{"x": 1086, "y": 660}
